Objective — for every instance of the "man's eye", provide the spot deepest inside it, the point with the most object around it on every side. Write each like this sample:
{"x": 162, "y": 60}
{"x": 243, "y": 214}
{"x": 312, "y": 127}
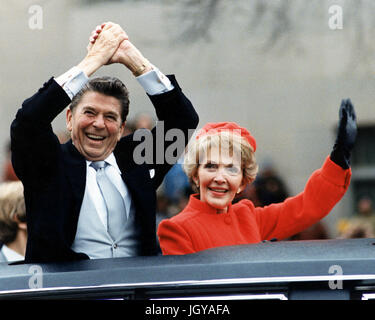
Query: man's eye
{"x": 88, "y": 112}
{"x": 112, "y": 118}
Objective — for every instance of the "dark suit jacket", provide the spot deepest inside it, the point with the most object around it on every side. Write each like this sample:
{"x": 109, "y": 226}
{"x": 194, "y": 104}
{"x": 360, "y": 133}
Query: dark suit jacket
{"x": 54, "y": 175}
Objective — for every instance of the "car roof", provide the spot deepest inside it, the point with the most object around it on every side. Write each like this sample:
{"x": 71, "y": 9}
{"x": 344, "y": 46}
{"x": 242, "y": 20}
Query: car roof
{"x": 268, "y": 263}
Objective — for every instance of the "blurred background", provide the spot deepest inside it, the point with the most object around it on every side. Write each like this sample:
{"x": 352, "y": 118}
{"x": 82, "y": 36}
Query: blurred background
{"x": 278, "y": 68}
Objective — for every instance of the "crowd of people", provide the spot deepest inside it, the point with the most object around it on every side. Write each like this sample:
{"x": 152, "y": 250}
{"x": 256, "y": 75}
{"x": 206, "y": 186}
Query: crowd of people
{"x": 81, "y": 194}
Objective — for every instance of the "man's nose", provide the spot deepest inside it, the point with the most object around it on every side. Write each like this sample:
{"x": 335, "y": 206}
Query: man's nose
{"x": 99, "y": 122}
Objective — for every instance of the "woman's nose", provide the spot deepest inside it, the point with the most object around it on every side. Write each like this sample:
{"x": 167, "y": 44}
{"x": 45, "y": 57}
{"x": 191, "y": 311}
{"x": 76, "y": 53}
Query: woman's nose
{"x": 219, "y": 177}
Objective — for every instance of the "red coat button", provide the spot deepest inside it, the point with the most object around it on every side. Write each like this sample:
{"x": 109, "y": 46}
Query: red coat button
{"x": 228, "y": 220}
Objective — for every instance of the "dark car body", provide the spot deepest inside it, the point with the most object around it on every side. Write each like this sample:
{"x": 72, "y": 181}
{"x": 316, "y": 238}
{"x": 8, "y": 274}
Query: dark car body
{"x": 317, "y": 269}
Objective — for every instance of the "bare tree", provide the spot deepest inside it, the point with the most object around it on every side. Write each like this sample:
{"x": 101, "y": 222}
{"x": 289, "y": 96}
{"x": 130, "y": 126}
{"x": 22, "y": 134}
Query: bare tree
{"x": 282, "y": 22}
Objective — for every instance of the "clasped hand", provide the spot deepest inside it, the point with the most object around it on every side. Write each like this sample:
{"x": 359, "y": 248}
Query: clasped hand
{"x": 111, "y": 44}
{"x": 103, "y": 48}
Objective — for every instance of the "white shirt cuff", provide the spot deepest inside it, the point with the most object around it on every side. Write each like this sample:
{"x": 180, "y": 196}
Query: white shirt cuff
{"x": 155, "y": 82}
{"x": 72, "y": 81}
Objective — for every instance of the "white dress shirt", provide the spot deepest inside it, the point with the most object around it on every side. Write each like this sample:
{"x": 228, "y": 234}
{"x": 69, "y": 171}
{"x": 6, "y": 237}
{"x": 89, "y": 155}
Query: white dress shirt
{"x": 11, "y": 255}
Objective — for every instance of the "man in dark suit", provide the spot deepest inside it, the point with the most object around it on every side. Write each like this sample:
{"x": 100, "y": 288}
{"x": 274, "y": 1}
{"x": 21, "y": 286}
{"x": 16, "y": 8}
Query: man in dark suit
{"x": 69, "y": 216}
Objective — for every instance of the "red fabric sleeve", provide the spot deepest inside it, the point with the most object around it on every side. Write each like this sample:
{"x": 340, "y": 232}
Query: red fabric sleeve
{"x": 323, "y": 190}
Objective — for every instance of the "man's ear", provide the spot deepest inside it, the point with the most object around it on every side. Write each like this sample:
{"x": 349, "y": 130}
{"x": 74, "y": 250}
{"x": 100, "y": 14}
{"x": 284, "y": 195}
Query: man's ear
{"x": 21, "y": 225}
{"x": 69, "y": 119}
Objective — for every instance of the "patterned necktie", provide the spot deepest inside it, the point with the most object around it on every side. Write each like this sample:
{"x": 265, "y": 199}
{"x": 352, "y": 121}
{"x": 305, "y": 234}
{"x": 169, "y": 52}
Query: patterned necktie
{"x": 116, "y": 211}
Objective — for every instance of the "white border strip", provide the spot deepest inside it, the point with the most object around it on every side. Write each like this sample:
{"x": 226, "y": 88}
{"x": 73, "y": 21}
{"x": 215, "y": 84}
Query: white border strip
{"x": 212, "y": 282}
{"x": 266, "y": 296}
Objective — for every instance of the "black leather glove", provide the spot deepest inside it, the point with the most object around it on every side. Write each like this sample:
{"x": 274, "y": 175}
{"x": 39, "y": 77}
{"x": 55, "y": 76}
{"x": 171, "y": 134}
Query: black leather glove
{"x": 346, "y": 135}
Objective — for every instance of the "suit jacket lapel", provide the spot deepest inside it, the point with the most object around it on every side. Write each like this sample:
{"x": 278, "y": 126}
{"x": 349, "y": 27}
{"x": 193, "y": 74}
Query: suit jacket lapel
{"x": 75, "y": 170}
{"x": 137, "y": 179}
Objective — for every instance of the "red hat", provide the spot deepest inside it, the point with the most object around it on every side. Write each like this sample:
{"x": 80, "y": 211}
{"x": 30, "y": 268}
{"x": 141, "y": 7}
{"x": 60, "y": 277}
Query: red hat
{"x": 212, "y": 128}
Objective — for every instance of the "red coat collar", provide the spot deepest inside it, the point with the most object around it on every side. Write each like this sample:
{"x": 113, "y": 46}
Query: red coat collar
{"x": 196, "y": 204}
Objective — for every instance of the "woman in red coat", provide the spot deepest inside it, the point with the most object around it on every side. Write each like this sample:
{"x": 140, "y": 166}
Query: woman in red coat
{"x": 220, "y": 162}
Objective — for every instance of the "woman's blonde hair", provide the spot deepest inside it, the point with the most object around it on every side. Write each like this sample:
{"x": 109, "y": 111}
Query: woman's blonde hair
{"x": 12, "y": 207}
{"x": 223, "y": 142}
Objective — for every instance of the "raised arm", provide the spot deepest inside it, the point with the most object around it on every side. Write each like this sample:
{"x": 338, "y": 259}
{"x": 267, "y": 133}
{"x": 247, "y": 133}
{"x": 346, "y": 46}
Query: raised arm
{"x": 34, "y": 145}
{"x": 323, "y": 191}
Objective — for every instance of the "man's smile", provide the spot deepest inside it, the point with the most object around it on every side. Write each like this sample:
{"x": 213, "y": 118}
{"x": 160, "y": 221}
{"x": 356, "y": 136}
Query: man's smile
{"x": 95, "y": 137}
